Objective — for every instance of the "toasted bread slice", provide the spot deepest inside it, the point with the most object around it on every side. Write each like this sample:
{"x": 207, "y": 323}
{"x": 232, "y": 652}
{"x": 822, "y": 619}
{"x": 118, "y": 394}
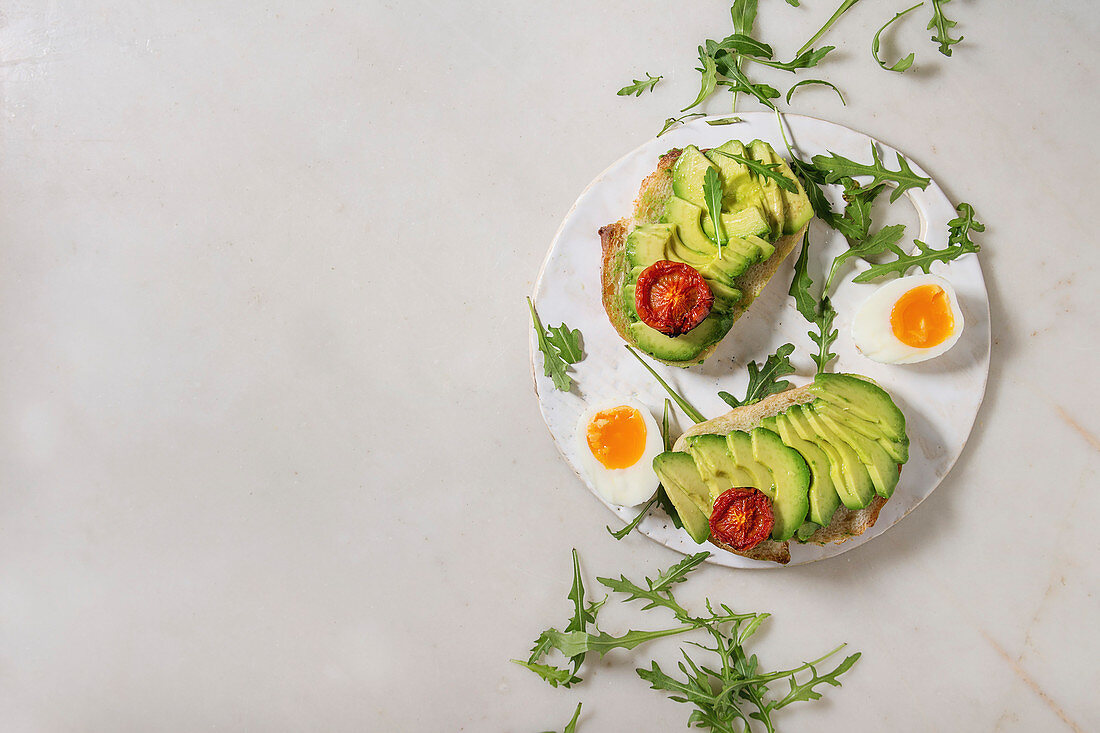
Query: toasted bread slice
{"x": 654, "y": 193}
{"x": 846, "y": 523}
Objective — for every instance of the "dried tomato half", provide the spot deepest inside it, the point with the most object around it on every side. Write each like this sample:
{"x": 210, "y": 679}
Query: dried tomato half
{"x": 741, "y": 518}
{"x": 672, "y": 297}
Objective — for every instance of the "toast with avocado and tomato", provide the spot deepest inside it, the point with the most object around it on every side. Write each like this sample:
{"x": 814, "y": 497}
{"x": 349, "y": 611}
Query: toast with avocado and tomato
{"x": 818, "y": 461}
{"x": 672, "y": 283}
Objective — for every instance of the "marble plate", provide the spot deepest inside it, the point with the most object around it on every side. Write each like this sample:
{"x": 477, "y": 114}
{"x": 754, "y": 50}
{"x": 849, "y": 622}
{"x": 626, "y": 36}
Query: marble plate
{"x": 940, "y": 398}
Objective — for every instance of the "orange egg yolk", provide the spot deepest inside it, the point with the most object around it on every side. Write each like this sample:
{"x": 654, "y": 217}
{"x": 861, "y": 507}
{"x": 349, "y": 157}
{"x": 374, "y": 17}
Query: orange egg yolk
{"x": 922, "y": 317}
{"x": 616, "y": 436}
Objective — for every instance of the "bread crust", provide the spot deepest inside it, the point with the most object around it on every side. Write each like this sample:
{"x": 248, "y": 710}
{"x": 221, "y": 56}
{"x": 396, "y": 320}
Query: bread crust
{"x": 649, "y": 205}
{"x": 845, "y": 524}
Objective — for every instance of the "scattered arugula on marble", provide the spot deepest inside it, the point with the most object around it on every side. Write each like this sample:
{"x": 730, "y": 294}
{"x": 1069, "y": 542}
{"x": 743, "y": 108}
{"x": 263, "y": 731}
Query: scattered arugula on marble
{"x": 560, "y": 347}
{"x": 640, "y": 85}
{"x": 901, "y": 64}
{"x": 765, "y": 379}
{"x": 734, "y": 690}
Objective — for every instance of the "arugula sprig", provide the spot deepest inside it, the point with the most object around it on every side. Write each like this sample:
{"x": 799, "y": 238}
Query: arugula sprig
{"x": 673, "y": 121}
{"x": 943, "y": 25}
{"x": 659, "y": 496}
{"x": 901, "y": 64}
{"x": 640, "y": 85}
{"x": 837, "y": 167}
{"x": 818, "y": 311}
{"x": 765, "y": 379}
{"x": 958, "y": 244}
{"x": 712, "y": 195}
{"x": 881, "y": 241}
{"x": 560, "y": 347}
{"x": 734, "y": 691}
{"x": 762, "y": 170}
{"x": 583, "y": 615}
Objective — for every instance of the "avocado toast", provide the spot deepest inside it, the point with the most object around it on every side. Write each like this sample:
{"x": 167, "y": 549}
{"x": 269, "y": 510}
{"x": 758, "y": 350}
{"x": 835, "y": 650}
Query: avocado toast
{"x": 827, "y": 455}
{"x": 760, "y": 224}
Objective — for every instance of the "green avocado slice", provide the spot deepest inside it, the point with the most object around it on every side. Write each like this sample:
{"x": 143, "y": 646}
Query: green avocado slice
{"x": 850, "y": 478}
{"x": 687, "y": 175}
{"x": 824, "y": 499}
{"x": 686, "y": 490}
{"x": 882, "y": 469}
{"x": 862, "y": 398}
{"x": 717, "y": 467}
{"x": 896, "y": 449}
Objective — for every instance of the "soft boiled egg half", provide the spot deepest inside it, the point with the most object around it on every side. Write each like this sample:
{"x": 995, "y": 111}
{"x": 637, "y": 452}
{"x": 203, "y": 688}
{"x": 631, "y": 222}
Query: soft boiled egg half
{"x": 617, "y": 441}
{"x": 908, "y": 320}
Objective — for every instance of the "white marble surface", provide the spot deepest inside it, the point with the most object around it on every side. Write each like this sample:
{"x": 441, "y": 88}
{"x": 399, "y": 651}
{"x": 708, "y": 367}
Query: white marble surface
{"x": 269, "y": 454}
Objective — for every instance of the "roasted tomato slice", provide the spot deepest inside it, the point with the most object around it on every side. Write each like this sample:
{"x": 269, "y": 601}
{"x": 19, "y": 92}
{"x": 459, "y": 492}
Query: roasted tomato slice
{"x": 742, "y": 518}
{"x": 672, "y": 297}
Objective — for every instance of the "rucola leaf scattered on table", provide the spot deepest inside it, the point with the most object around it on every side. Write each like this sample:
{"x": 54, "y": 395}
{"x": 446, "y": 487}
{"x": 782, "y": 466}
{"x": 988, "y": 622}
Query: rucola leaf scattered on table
{"x": 730, "y": 695}
{"x": 640, "y": 85}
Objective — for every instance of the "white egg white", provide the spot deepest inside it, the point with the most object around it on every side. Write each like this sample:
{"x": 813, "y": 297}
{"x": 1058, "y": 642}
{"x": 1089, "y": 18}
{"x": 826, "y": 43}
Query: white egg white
{"x": 623, "y": 486}
{"x": 873, "y": 335}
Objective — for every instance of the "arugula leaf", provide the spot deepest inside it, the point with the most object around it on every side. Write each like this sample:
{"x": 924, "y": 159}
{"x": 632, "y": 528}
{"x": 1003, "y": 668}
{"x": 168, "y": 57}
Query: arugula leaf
{"x": 673, "y": 121}
{"x": 804, "y": 302}
{"x": 958, "y": 244}
{"x": 943, "y": 27}
{"x": 765, "y": 380}
{"x": 845, "y": 6}
{"x": 725, "y": 121}
{"x": 712, "y": 194}
{"x": 578, "y": 643}
{"x": 560, "y": 347}
{"x": 922, "y": 257}
{"x": 837, "y": 167}
{"x": 824, "y": 337}
{"x": 855, "y": 222}
{"x": 793, "y": 3}
{"x": 902, "y": 64}
{"x": 640, "y": 85}
{"x": 729, "y": 66}
{"x": 709, "y": 81}
{"x": 578, "y": 624}
{"x": 555, "y": 676}
{"x": 680, "y": 401}
{"x": 790, "y": 91}
{"x": 762, "y": 170}
{"x": 744, "y": 45}
{"x": 804, "y": 691}
{"x": 881, "y": 241}
{"x": 743, "y": 13}
{"x": 804, "y": 60}
{"x": 567, "y": 342}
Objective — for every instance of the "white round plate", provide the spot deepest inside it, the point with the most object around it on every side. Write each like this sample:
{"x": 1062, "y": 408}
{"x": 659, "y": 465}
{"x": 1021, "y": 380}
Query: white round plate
{"x": 940, "y": 397}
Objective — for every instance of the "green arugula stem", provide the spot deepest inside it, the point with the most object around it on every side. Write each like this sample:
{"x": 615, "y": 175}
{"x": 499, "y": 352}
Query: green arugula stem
{"x": 844, "y": 7}
{"x": 684, "y": 405}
